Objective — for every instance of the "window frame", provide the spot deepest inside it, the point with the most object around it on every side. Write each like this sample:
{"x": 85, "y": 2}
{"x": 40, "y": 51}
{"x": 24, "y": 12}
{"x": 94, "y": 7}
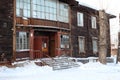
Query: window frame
{"x": 93, "y": 22}
{"x": 22, "y": 41}
{"x": 43, "y": 9}
{"x": 81, "y": 47}
{"x": 64, "y": 43}
{"x": 80, "y": 19}
{"x": 95, "y": 46}
{"x": 22, "y": 10}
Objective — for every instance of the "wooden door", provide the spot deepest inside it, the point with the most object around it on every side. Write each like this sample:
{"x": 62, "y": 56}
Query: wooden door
{"x": 37, "y": 47}
{"x": 41, "y": 46}
{"x": 45, "y": 46}
{"x": 52, "y": 48}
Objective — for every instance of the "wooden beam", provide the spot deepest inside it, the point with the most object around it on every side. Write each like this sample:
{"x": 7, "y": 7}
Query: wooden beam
{"x": 14, "y": 30}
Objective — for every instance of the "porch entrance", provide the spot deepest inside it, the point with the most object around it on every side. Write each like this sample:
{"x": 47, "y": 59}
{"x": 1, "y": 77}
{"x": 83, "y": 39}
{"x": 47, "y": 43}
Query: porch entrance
{"x": 44, "y": 44}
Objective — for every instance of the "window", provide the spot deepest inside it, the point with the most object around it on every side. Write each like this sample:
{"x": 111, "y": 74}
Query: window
{"x": 64, "y": 41}
{"x": 95, "y": 44}
{"x": 81, "y": 40}
{"x": 38, "y": 10}
{"x": 43, "y": 9}
{"x": 93, "y": 22}
{"x": 51, "y": 9}
{"x": 23, "y": 8}
{"x": 80, "y": 19}
{"x": 22, "y": 41}
{"x": 63, "y": 12}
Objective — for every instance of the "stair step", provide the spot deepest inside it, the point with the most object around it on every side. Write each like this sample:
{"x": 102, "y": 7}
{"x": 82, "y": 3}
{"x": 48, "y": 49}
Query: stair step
{"x": 60, "y": 63}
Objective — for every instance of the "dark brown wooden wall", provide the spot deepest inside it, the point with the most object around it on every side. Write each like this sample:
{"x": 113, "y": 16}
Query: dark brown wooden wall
{"x": 85, "y": 31}
{"x": 42, "y": 22}
{"x": 6, "y": 20}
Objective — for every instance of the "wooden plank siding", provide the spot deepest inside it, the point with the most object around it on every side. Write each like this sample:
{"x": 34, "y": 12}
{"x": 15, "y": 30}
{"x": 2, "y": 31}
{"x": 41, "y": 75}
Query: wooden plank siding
{"x": 6, "y": 33}
{"x": 41, "y": 22}
{"x": 85, "y": 31}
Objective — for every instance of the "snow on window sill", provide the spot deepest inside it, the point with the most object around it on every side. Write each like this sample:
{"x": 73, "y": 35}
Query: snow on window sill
{"x": 23, "y": 50}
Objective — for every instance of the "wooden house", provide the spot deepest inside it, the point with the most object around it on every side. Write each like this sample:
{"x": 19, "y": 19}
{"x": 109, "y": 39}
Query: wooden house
{"x": 31, "y": 29}
{"x": 85, "y": 31}
{"x": 42, "y": 28}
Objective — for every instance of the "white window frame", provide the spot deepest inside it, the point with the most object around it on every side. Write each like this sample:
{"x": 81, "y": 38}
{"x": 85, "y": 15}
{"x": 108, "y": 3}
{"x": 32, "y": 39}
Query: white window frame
{"x": 81, "y": 43}
{"x": 64, "y": 41}
{"x": 23, "y": 8}
{"x": 80, "y": 19}
{"x": 43, "y": 9}
{"x": 22, "y": 41}
{"x": 95, "y": 44}
{"x": 93, "y": 22}
{"x": 63, "y": 12}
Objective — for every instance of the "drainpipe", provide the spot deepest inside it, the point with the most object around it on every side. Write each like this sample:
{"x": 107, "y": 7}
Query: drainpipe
{"x": 70, "y": 26}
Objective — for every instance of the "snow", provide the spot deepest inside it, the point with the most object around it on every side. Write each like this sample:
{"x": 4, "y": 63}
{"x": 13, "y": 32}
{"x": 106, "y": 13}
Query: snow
{"x": 88, "y": 71}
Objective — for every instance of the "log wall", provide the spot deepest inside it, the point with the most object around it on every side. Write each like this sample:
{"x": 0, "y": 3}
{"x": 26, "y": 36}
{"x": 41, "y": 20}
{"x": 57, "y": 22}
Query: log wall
{"x": 6, "y": 24}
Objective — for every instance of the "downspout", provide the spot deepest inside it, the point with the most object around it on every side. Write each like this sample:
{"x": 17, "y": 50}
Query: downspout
{"x": 70, "y": 26}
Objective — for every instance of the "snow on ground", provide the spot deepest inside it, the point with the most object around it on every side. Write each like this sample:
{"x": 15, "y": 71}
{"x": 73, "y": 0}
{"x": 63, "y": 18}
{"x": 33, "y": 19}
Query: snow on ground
{"x": 88, "y": 71}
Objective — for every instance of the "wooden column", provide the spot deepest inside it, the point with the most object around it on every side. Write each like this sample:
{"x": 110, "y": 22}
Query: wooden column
{"x": 14, "y": 30}
{"x": 31, "y": 44}
{"x": 57, "y": 44}
{"x": 103, "y": 24}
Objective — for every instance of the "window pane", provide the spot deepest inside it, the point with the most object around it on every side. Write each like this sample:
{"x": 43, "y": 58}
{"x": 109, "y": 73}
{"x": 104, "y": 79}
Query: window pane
{"x": 42, "y": 8}
{"x": 25, "y": 5}
{"x": 41, "y": 2}
{"x": 17, "y": 4}
{"x": 34, "y": 7}
{"x": 21, "y": 4}
{"x": 47, "y": 9}
{"x": 42, "y": 15}
{"x": 38, "y": 8}
{"x": 47, "y": 16}
{"x": 63, "y": 12}
{"x": 25, "y": 13}
{"x": 34, "y": 14}
{"x": 17, "y": 12}
{"x": 34, "y": 1}
{"x": 28, "y": 15}
{"x": 38, "y": 15}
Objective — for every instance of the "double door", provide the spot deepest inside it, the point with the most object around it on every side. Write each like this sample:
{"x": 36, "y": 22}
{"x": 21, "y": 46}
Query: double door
{"x": 41, "y": 46}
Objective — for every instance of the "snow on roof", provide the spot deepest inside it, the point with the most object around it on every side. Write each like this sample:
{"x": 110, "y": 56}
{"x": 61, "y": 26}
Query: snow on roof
{"x": 87, "y": 5}
{"x": 95, "y": 7}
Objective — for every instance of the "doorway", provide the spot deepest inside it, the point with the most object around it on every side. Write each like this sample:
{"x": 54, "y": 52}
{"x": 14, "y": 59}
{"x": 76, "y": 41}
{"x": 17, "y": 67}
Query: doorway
{"x": 41, "y": 46}
{"x": 44, "y": 44}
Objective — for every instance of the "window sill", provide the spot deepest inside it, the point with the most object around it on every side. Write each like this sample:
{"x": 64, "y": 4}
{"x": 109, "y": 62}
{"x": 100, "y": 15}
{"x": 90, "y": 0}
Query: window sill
{"x": 23, "y": 50}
